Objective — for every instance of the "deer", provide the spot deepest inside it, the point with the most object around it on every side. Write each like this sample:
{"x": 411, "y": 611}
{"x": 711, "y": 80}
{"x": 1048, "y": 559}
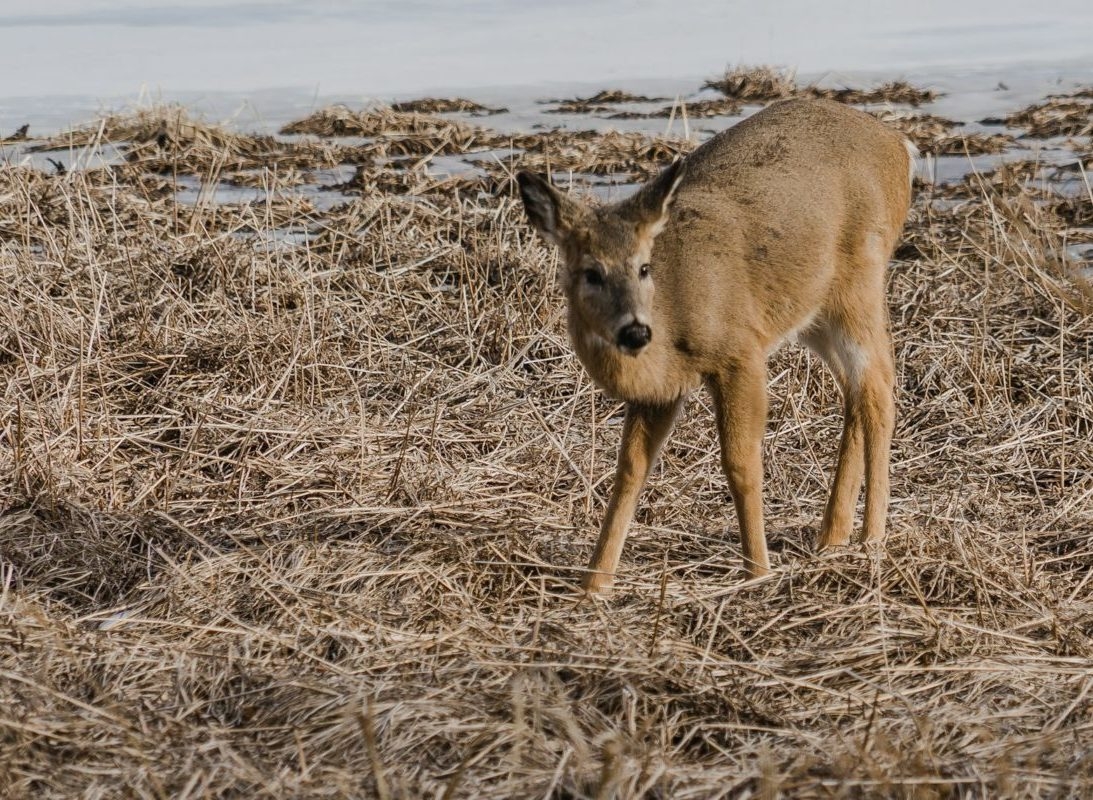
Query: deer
{"x": 779, "y": 228}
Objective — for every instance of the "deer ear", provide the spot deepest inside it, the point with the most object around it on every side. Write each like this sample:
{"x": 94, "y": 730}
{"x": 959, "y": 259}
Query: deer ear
{"x": 648, "y": 209}
{"x": 549, "y": 211}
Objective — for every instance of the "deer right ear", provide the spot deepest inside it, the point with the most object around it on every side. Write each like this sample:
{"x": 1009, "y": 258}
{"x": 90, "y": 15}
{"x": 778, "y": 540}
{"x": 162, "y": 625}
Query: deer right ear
{"x": 549, "y": 211}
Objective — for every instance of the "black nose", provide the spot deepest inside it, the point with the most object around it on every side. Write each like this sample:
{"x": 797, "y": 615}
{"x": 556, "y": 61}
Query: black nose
{"x": 635, "y": 336}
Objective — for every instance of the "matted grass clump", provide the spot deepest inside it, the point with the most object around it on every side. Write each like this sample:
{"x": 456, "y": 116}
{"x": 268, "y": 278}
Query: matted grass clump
{"x": 167, "y": 139}
{"x": 760, "y": 83}
{"x": 895, "y": 92}
{"x": 1069, "y": 115}
{"x": 599, "y": 102}
{"x": 765, "y": 83}
{"x": 294, "y": 500}
{"x": 939, "y": 136}
{"x": 397, "y": 133}
{"x": 593, "y": 153}
{"x": 445, "y": 105}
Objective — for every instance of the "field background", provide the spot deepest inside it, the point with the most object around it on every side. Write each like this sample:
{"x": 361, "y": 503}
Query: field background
{"x": 298, "y": 471}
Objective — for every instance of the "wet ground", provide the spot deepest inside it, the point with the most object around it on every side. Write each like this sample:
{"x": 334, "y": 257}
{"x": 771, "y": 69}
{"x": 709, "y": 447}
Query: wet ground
{"x": 964, "y": 121}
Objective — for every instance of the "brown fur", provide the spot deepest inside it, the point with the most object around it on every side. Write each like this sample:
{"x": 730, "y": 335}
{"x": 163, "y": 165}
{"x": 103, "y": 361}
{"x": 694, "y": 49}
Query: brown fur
{"x": 780, "y": 226}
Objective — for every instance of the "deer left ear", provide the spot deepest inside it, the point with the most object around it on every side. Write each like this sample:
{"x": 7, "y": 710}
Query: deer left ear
{"x": 649, "y": 208}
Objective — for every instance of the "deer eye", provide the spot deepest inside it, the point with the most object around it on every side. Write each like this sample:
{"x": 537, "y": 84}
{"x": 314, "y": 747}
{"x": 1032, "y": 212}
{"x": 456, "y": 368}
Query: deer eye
{"x": 644, "y": 270}
{"x": 593, "y": 277}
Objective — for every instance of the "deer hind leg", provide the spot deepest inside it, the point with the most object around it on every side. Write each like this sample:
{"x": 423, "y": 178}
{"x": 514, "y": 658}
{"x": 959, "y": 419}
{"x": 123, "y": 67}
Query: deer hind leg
{"x": 829, "y": 340}
{"x": 740, "y": 403}
{"x": 643, "y": 433}
{"x": 878, "y": 411}
{"x": 858, "y": 351}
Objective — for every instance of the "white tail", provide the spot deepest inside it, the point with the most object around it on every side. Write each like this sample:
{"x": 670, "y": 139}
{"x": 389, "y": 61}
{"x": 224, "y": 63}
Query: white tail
{"x": 780, "y": 226}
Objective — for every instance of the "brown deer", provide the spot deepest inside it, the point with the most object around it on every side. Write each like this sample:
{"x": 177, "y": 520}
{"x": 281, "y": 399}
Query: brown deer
{"x": 779, "y": 227}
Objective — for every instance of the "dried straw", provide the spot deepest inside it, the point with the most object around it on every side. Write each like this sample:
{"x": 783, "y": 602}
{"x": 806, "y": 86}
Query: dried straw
{"x": 935, "y": 135}
{"x": 764, "y": 84}
{"x": 598, "y": 103}
{"x": 446, "y": 105}
{"x": 303, "y": 517}
{"x": 1071, "y": 115}
{"x": 750, "y": 84}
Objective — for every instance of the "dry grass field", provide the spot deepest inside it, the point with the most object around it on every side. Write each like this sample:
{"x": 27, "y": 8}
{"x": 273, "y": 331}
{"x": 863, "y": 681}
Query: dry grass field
{"x": 294, "y": 495}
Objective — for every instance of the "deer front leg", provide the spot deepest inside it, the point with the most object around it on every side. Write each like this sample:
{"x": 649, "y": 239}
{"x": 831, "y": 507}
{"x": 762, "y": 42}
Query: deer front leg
{"x": 643, "y": 433}
{"x": 740, "y": 402}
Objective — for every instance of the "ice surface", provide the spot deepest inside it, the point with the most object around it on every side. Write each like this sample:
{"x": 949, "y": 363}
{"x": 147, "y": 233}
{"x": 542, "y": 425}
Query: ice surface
{"x": 270, "y": 60}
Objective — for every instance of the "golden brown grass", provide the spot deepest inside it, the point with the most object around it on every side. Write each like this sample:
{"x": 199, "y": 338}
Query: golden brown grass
{"x": 592, "y": 153}
{"x": 939, "y": 136}
{"x": 760, "y": 83}
{"x": 302, "y": 517}
{"x": 598, "y": 103}
{"x": 697, "y": 109}
{"x": 445, "y": 105}
{"x": 898, "y": 92}
{"x": 744, "y": 85}
{"x": 765, "y": 83}
{"x": 396, "y": 133}
{"x": 1070, "y": 115}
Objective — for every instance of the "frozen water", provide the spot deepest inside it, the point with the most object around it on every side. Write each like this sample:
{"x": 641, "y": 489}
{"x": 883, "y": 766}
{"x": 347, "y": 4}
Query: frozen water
{"x": 269, "y": 60}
